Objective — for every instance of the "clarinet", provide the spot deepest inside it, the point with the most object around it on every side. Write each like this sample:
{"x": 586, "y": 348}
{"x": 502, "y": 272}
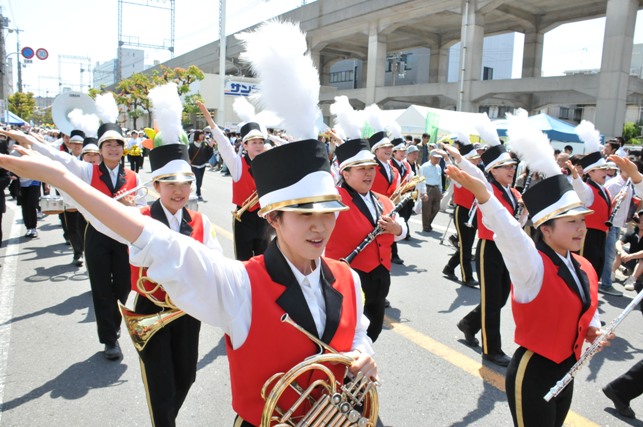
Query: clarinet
{"x": 591, "y": 350}
{"x": 521, "y": 206}
{"x": 622, "y": 193}
{"x": 376, "y": 231}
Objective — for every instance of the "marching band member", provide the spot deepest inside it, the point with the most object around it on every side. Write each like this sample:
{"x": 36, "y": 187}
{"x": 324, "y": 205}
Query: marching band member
{"x": 169, "y": 358}
{"x": 247, "y": 300}
{"x": 554, "y": 291}
{"x": 492, "y": 272}
{"x": 387, "y": 177}
{"x": 251, "y": 232}
{"x": 135, "y": 151}
{"x": 106, "y": 259}
{"x": 200, "y": 152}
{"x": 367, "y": 209}
{"x": 463, "y": 200}
{"x": 595, "y": 197}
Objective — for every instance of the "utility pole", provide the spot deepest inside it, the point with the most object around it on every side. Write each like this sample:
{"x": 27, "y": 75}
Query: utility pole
{"x": 222, "y": 53}
{"x": 3, "y": 64}
{"x": 18, "y": 58}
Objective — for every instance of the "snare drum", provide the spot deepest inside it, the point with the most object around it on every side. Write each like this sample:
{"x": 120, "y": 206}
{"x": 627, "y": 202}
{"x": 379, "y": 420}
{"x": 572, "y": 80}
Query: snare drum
{"x": 52, "y": 205}
{"x": 193, "y": 203}
{"x": 70, "y": 208}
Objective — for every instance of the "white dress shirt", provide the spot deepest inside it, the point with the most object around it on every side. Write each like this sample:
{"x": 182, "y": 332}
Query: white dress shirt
{"x": 231, "y": 159}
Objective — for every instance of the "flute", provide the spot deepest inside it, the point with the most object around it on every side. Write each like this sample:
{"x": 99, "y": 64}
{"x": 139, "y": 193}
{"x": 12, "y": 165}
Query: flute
{"x": 621, "y": 194}
{"x": 472, "y": 213}
{"x": 521, "y": 206}
{"x": 591, "y": 350}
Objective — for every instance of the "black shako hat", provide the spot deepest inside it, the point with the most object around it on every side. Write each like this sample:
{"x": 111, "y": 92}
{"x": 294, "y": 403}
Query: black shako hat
{"x": 251, "y": 130}
{"x": 76, "y": 136}
{"x": 296, "y": 177}
{"x": 170, "y": 162}
{"x": 593, "y": 160}
{"x": 354, "y": 152}
{"x": 553, "y": 197}
{"x": 378, "y": 140}
{"x": 494, "y": 156}
{"x": 108, "y": 131}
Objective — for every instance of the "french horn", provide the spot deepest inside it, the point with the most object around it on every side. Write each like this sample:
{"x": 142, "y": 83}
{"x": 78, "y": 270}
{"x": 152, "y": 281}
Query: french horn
{"x": 67, "y": 102}
{"x": 351, "y": 404}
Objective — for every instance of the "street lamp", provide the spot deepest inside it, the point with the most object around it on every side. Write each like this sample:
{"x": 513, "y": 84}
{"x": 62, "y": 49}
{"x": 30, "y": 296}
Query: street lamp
{"x": 17, "y": 31}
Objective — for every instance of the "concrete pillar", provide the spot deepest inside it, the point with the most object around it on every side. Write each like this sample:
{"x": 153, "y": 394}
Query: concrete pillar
{"x": 376, "y": 62}
{"x": 438, "y": 64}
{"x": 472, "y": 39}
{"x": 322, "y": 69}
{"x": 615, "y": 66}
{"x": 532, "y": 59}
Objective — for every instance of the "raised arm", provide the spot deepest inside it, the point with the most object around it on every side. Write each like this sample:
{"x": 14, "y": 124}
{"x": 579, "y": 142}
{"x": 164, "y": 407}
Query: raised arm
{"x": 226, "y": 150}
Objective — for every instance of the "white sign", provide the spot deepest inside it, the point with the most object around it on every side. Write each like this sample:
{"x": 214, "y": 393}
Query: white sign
{"x": 239, "y": 88}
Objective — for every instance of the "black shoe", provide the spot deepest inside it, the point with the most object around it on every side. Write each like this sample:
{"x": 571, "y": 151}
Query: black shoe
{"x": 470, "y": 283}
{"x": 427, "y": 229}
{"x": 199, "y": 199}
{"x": 469, "y": 337}
{"x": 78, "y": 261}
{"x": 397, "y": 260}
{"x": 454, "y": 241}
{"x": 623, "y": 408}
{"x": 387, "y": 303}
{"x": 499, "y": 359}
{"x": 112, "y": 351}
{"x": 449, "y": 274}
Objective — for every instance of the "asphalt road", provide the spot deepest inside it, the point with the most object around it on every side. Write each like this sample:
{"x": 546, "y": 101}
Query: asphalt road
{"x": 52, "y": 371}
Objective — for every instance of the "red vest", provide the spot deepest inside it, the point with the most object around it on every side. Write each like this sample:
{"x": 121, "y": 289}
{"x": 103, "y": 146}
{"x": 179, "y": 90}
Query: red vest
{"x": 381, "y": 184}
{"x": 484, "y": 232}
{"x": 553, "y": 325}
{"x": 273, "y": 346}
{"x": 196, "y": 223}
{"x": 243, "y": 188}
{"x": 99, "y": 184}
{"x": 602, "y": 209}
{"x": 463, "y": 197}
{"x": 351, "y": 228}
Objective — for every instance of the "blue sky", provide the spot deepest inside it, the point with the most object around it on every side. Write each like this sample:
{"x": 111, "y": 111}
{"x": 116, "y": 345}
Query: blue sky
{"x": 81, "y": 28}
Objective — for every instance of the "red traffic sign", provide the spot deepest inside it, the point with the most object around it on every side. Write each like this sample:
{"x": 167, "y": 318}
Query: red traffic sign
{"x": 42, "y": 53}
{"x": 27, "y": 52}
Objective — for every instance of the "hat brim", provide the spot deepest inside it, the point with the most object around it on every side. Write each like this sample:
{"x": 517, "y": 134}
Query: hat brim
{"x": 111, "y": 135}
{"x": 176, "y": 177}
{"x": 503, "y": 163}
{"x": 357, "y": 163}
{"x": 574, "y": 211}
{"x": 253, "y": 134}
{"x": 317, "y": 207}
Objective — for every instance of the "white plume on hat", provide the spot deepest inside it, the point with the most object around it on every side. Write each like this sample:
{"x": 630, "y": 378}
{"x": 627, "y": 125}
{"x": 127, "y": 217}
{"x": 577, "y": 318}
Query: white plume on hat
{"x": 244, "y": 109}
{"x": 531, "y": 145}
{"x": 394, "y": 129}
{"x": 375, "y": 118}
{"x": 487, "y": 130}
{"x": 288, "y": 80}
{"x": 349, "y": 120}
{"x": 167, "y": 109}
{"x": 463, "y": 136}
{"x": 88, "y": 123}
{"x": 106, "y": 108}
{"x": 589, "y": 135}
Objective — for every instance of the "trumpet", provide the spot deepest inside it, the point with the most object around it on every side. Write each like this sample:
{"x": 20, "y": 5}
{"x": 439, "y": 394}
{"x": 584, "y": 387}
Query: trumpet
{"x": 143, "y": 186}
{"x": 406, "y": 187}
{"x": 142, "y": 327}
{"x": 252, "y": 200}
{"x": 353, "y": 404}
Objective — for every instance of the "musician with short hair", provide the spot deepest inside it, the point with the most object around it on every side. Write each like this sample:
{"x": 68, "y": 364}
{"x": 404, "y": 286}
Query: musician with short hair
{"x": 251, "y": 232}
{"x": 247, "y": 300}
{"x": 367, "y": 210}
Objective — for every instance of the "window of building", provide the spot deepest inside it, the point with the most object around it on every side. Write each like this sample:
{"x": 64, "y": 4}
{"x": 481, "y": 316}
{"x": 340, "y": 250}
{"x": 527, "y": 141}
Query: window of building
{"x": 487, "y": 73}
{"x": 563, "y": 113}
{"x": 341, "y": 76}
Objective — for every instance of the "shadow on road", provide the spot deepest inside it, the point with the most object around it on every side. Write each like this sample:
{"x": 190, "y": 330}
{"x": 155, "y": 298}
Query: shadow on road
{"x": 211, "y": 356}
{"x": 486, "y": 401}
{"x": 76, "y": 381}
{"x": 65, "y": 308}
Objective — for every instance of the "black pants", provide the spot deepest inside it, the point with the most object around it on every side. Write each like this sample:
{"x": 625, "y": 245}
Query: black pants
{"x": 529, "y": 378}
{"x": 251, "y": 235}
{"x": 135, "y": 162}
{"x": 109, "y": 276}
{"x": 29, "y": 204}
{"x": 594, "y": 249}
{"x": 466, "y": 237}
{"x": 375, "y": 285}
{"x": 198, "y": 174}
{"x": 75, "y": 231}
{"x": 629, "y": 385}
{"x": 168, "y": 364}
{"x": 494, "y": 291}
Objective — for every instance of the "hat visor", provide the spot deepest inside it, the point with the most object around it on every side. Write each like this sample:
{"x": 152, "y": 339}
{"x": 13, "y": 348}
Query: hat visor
{"x": 504, "y": 163}
{"x": 357, "y": 164}
{"x": 574, "y": 211}
{"x": 176, "y": 177}
{"x": 111, "y": 135}
{"x": 317, "y": 207}
{"x": 254, "y": 134}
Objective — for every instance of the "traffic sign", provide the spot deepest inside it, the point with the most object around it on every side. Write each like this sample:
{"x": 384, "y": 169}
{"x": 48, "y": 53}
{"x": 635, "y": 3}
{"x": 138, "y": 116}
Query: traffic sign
{"x": 27, "y": 61}
{"x": 27, "y": 52}
{"x": 42, "y": 53}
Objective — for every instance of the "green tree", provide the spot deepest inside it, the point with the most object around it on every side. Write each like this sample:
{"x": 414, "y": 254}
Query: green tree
{"x": 632, "y": 133}
{"x": 22, "y": 104}
{"x": 133, "y": 96}
{"x": 42, "y": 116}
{"x": 190, "y": 109}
